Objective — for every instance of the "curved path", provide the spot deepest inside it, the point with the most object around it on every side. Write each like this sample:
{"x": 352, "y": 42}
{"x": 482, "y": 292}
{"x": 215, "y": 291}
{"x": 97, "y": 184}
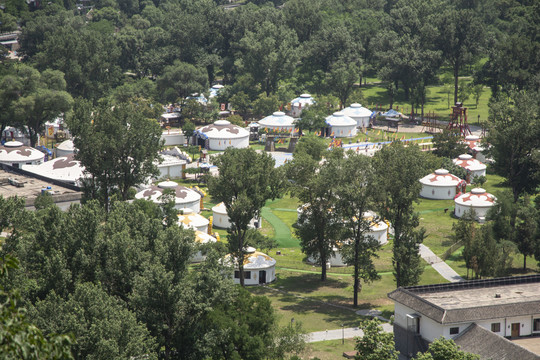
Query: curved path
{"x": 282, "y": 233}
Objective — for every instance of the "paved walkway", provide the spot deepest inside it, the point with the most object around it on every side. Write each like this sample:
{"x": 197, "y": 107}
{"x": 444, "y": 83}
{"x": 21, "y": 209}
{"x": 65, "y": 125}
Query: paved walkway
{"x": 282, "y": 233}
{"x": 439, "y": 265}
{"x": 347, "y": 333}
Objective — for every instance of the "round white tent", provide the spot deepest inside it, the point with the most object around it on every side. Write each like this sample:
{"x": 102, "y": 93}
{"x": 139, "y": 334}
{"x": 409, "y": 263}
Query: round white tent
{"x": 300, "y": 103}
{"x": 475, "y": 145}
{"x": 65, "y": 148}
{"x": 184, "y": 198}
{"x": 341, "y": 125}
{"x": 259, "y": 268}
{"x": 478, "y": 200}
{"x": 222, "y": 134}
{"x": 214, "y": 90}
{"x": 441, "y": 185}
{"x": 190, "y": 220}
{"x": 359, "y": 113}
{"x": 221, "y": 219}
{"x": 202, "y": 238}
{"x": 64, "y": 168}
{"x": 278, "y": 121}
{"x": 474, "y": 167}
{"x": 15, "y": 154}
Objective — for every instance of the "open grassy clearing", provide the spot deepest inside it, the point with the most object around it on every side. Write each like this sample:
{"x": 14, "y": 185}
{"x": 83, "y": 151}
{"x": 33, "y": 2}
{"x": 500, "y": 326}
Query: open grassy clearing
{"x": 328, "y": 350}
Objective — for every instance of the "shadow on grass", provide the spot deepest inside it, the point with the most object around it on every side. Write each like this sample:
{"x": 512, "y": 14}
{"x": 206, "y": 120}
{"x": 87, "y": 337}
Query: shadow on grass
{"x": 330, "y": 313}
{"x": 308, "y": 283}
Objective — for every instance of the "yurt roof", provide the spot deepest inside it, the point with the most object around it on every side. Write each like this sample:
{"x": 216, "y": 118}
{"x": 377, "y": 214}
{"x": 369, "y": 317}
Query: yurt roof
{"x": 468, "y": 162}
{"x": 357, "y": 110}
{"x": 192, "y": 220}
{"x": 182, "y": 194}
{"x": 66, "y": 145}
{"x": 16, "y": 151}
{"x": 169, "y": 160}
{"x": 171, "y": 115}
{"x": 63, "y": 168}
{"x": 375, "y": 226}
{"x": 340, "y": 119}
{"x": 277, "y": 119}
{"x": 256, "y": 260}
{"x": 477, "y": 197}
{"x": 303, "y": 99}
{"x": 220, "y": 209}
{"x": 441, "y": 177}
{"x": 474, "y": 143}
{"x": 204, "y": 238}
{"x": 222, "y": 129}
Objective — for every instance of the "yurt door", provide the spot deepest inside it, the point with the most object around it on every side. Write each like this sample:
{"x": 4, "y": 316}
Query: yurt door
{"x": 262, "y": 277}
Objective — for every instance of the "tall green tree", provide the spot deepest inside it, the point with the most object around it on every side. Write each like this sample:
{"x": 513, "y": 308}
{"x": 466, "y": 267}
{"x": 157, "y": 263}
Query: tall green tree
{"x": 397, "y": 170}
{"x": 445, "y": 349}
{"x": 246, "y": 180}
{"x": 181, "y": 80}
{"x": 341, "y": 80}
{"x": 514, "y": 137}
{"x": 130, "y": 141}
{"x": 375, "y": 344}
{"x": 355, "y": 199}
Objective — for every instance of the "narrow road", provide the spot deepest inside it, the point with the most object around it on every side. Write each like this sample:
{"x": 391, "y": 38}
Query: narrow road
{"x": 439, "y": 265}
{"x": 347, "y": 333}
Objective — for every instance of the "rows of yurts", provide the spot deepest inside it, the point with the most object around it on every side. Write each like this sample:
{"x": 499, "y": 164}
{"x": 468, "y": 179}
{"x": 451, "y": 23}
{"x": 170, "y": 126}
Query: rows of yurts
{"x": 259, "y": 267}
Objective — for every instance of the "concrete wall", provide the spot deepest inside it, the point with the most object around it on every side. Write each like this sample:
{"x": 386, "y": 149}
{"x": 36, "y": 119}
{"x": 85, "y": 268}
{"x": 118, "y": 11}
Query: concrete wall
{"x": 170, "y": 171}
{"x": 222, "y": 144}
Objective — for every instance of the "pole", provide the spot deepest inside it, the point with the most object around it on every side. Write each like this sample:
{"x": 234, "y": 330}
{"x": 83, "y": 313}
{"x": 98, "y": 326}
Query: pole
{"x": 342, "y": 334}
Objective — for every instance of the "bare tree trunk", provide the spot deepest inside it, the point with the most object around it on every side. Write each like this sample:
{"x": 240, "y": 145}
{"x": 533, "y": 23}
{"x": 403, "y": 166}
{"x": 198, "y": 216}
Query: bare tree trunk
{"x": 456, "y": 73}
{"x": 357, "y": 285}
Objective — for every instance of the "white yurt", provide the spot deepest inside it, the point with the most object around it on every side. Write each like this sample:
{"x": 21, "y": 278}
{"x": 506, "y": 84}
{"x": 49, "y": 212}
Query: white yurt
{"x": 185, "y": 198}
{"x": 221, "y": 219}
{"x": 15, "y": 154}
{"x": 222, "y": 134}
{"x": 359, "y": 113}
{"x": 300, "y": 103}
{"x": 173, "y": 137}
{"x": 202, "y": 238}
{"x": 340, "y": 125}
{"x": 170, "y": 166}
{"x": 278, "y": 121}
{"x": 191, "y": 220}
{"x": 259, "y": 268}
{"x": 65, "y": 148}
{"x": 441, "y": 185}
{"x": 474, "y": 167}
{"x": 214, "y": 90}
{"x": 64, "y": 168}
{"x": 475, "y": 146}
{"x": 478, "y": 200}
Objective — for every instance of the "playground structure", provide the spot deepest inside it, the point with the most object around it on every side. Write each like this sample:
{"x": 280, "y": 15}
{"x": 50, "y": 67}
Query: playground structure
{"x": 458, "y": 122}
{"x": 431, "y": 125}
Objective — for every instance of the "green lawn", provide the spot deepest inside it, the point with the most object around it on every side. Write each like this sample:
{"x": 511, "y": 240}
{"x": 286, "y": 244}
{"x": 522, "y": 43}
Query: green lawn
{"x": 328, "y": 350}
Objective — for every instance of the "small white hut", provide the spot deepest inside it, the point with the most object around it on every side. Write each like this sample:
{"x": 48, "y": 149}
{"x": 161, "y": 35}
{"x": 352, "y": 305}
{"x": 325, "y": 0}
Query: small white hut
{"x": 340, "y": 125}
{"x": 222, "y": 134}
{"x": 474, "y": 167}
{"x": 173, "y": 137}
{"x": 170, "y": 166}
{"x": 201, "y": 238}
{"x": 278, "y": 121}
{"x": 476, "y": 147}
{"x": 65, "y": 148}
{"x": 478, "y": 200}
{"x": 441, "y": 185}
{"x": 184, "y": 198}
{"x": 64, "y": 168}
{"x": 15, "y": 154}
{"x": 259, "y": 268}
{"x": 190, "y": 220}
{"x": 359, "y": 113}
{"x": 221, "y": 219}
{"x": 214, "y": 90}
{"x": 300, "y": 103}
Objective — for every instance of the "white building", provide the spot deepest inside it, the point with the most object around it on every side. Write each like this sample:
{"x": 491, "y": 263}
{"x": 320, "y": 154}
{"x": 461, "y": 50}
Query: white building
{"x": 359, "y": 113}
{"x": 300, "y": 103}
{"x": 171, "y": 167}
{"x": 64, "y": 168}
{"x": 472, "y": 313}
{"x": 278, "y": 121}
{"x": 341, "y": 125}
{"x": 65, "y": 148}
{"x": 221, "y": 219}
{"x": 259, "y": 268}
{"x": 478, "y": 200}
{"x": 475, "y": 147}
{"x": 222, "y": 134}
{"x": 184, "y": 198}
{"x": 190, "y": 220}
{"x": 441, "y": 185}
{"x": 15, "y": 154}
{"x": 474, "y": 167}
{"x": 173, "y": 137}
{"x": 201, "y": 238}
{"x": 13, "y": 133}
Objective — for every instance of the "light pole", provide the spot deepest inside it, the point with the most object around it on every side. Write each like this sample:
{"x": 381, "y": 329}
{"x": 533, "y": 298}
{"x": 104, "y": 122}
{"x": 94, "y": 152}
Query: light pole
{"x": 292, "y": 322}
{"x": 342, "y": 334}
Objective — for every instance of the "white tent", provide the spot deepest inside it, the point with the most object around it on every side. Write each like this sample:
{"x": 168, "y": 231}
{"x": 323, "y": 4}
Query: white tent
{"x": 259, "y": 268}
{"x": 184, "y": 198}
{"x": 221, "y": 219}
{"x": 222, "y": 134}
{"x": 441, "y": 185}
{"x": 341, "y": 125}
{"x": 278, "y": 121}
{"x": 300, "y": 103}
{"x": 359, "y": 113}
{"x": 64, "y": 168}
{"x": 15, "y": 154}
{"x": 478, "y": 200}
{"x": 190, "y": 220}
{"x": 202, "y": 238}
{"x": 474, "y": 167}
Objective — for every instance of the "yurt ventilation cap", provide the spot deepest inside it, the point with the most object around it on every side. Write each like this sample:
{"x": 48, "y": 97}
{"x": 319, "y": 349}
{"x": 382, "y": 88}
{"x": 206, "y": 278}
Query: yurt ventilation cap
{"x": 441, "y": 172}
{"x": 13, "y": 144}
{"x": 222, "y": 122}
{"x": 279, "y": 113}
{"x": 167, "y": 184}
{"x": 478, "y": 191}
{"x": 305, "y": 96}
{"x": 465, "y": 157}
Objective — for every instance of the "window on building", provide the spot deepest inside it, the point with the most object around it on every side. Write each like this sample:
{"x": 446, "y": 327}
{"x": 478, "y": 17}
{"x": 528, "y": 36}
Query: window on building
{"x": 247, "y": 274}
{"x": 454, "y": 330}
{"x": 237, "y": 274}
{"x": 536, "y": 325}
{"x": 496, "y": 327}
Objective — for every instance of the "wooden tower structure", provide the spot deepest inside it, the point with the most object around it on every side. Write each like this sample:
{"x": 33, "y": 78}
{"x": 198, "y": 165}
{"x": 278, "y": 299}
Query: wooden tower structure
{"x": 458, "y": 122}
